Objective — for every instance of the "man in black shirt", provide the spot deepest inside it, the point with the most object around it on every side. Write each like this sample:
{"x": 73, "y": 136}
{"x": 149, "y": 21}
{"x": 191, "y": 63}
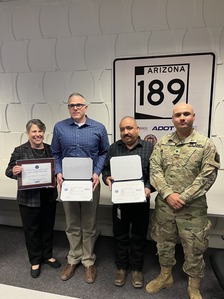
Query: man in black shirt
{"x": 129, "y": 251}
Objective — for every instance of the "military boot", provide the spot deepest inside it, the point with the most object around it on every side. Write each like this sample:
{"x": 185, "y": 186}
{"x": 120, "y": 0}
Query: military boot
{"x": 164, "y": 280}
{"x": 193, "y": 288}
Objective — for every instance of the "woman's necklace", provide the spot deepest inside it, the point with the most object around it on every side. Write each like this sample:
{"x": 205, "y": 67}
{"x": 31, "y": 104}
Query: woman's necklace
{"x": 40, "y": 152}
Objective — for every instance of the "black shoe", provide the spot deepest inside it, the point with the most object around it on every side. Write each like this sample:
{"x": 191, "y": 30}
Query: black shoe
{"x": 54, "y": 264}
{"x": 35, "y": 273}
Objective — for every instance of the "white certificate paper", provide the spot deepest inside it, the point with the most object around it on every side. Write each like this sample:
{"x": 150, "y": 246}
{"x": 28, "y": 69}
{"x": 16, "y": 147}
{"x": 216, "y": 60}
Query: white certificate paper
{"x": 35, "y": 174}
{"x": 128, "y": 192}
{"x": 77, "y": 191}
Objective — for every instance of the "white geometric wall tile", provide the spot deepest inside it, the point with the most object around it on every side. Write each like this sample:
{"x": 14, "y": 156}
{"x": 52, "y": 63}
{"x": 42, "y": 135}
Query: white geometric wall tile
{"x": 213, "y": 12}
{"x": 84, "y": 17}
{"x": 17, "y": 115}
{"x": 149, "y": 15}
{"x": 105, "y": 86}
{"x": 216, "y": 33}
{"x": 48, "y": 137}
{"x": 8, "y": 188}
{"x": 8, "y": 92}
{"x": 99, "y": 51}
{"x": 110, "y": 116}
{"x": 10, "y": 141}
{"x": 4, "y": 164}
{"x": 115, "y": 16}
{"x": 1, "y": 68}
{"x": 3, "y": 118}
{"x": 56, "y": 86}
{"x": 54, "y": 19}
{"x": 218, "y": 88}
{"x": 6, "y": 24}
{"x": 24, "y": 137}
{"x": 14, "y": 56}
{"x": 185, "y": 14}
{"x": 166, "y": 41}
{"x": 58, "y": 112}
{"x": 222, "y": 46}
{"x": 197, "y": 39}
{"x": 43, "y": 112}
{"x": 70, "y": 53}
{"x": 218, "y": 119}
{"x": 25, "y": 22}
{"x": 132, "y": 44}
{"x": 96, "y": 98}
{"x": 41, "y": 55}
{"x": 63, "y": 112}
{"x": 82, "y": 82}
{"x": 100, "y": 113}
{"x": 30, "y": 87}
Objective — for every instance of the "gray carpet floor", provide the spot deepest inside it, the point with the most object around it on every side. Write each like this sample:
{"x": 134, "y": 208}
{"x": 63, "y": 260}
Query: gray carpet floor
{"x": 15, "y": 268}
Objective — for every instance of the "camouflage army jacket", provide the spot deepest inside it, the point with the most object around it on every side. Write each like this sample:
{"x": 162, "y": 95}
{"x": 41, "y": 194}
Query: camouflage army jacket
{"x": 188, "y": 167}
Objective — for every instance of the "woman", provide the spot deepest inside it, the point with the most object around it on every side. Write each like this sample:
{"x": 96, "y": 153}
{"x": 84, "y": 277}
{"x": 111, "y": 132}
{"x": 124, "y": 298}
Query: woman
{"x": 37, "y": 206}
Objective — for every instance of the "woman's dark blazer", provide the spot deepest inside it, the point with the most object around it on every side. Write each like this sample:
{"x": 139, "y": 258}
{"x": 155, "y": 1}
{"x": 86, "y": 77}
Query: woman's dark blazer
{"x": 30, "y": 197}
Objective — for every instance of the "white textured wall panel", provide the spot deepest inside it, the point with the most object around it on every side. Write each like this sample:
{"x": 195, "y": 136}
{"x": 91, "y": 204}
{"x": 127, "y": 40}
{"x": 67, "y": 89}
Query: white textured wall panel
{"x": 70, "y": 53}
{"x": 3, "y": 119}
{"x": 17, "y": 116}
{"x": 8, "y": 91}
{"x": 84, "y": 17}
{"x": 213, "y": 12}
{"x": 83, "y": 83}
{"x": 185, "y": 14}
{"x": 41, "y": 55}
{"x": 14, "y": 56}
{"x": 54, "y": 19}
{"x": 148, "y": 15}
{"x": 115, "y": 16}
{"x": 25, "y": 22}
{"x": 166, "y": 41}
{"x": 218, "y": 119}
{"x": 102, "y": 111}
{"x": 6, "y": 24}
{"x": 56, "y": 86}
{"x": 197, "y": 40}
{"x": 43, "y": 112}
{"x": 132, "y": 44}
{"x": 10, "y": 141}
{"x": 99, "y": 51}
{"x": 30, "y": 87}
{"x": 105, "y": 86}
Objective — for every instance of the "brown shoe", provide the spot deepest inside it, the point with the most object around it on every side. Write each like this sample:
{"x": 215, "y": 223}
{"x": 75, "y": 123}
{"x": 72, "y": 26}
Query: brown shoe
{"x": 68, "y": 272}
{"x": 120, "y": 277}
{"x": 137, "y": 279}
{"x": 90, "y": 274}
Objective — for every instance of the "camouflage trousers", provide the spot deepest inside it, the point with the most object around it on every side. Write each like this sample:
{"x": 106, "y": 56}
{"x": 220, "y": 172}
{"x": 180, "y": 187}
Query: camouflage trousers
{"x": 191, "y": 226}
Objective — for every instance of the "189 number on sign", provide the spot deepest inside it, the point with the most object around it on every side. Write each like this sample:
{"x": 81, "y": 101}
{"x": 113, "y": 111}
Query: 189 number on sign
{"x": 155, "y": 95}
{"x": 159, "y": 87}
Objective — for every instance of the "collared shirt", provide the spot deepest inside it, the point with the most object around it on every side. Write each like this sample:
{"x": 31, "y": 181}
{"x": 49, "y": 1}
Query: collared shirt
{"x": 142, "y": 148}
{"x": 88, "y": 140}
{"x": 188, "y": 167}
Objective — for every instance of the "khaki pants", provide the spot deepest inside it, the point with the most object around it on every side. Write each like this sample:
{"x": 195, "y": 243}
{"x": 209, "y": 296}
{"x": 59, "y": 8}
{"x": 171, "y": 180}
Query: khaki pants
{"x": 81, "y": 229}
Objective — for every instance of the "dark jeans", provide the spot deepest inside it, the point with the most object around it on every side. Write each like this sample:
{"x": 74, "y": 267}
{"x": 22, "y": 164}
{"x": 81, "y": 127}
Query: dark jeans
{"x": 130, "y": 234}
{"x": 38, "y": 225}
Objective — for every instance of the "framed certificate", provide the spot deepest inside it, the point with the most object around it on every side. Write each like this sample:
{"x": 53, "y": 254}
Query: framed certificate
{"x": 36, "y": 173}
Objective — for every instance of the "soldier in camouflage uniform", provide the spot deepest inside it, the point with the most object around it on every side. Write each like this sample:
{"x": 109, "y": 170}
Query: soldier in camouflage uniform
{"x": 184, "y": 166}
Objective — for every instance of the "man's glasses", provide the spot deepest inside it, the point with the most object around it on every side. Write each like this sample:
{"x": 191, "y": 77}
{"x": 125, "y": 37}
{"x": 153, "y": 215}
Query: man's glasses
{"x": 77, "y": 106}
